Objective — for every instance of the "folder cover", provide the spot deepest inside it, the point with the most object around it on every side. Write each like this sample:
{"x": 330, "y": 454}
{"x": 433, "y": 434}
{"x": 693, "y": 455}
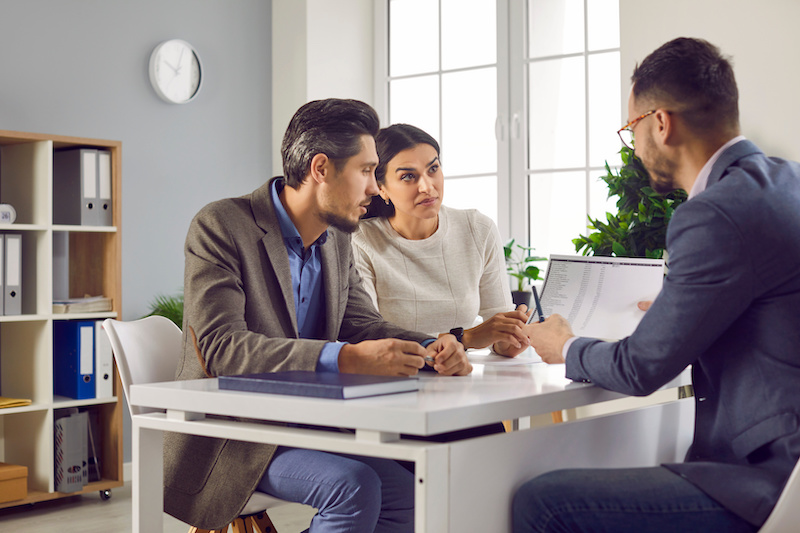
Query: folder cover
{"x": 12, "y": 286}
{"x": 71, "y": 452}
{"x": 104, "y": 214}
{"x": 103, "y": 367}
{"x": 319, "y": 384}
{"x": 73, "y": 359}
{"x": 75, "y": 184}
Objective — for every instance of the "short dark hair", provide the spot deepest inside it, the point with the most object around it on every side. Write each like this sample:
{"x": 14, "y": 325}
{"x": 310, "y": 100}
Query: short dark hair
{"x": 333, "y": 127}
{"x": 390, "y": 142}
{"x": 693, "y": 78}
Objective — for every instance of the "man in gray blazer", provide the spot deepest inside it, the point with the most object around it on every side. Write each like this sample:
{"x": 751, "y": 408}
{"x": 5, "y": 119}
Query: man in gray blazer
{"x": 270, "y": 285}
{"x": 729, "y": 307}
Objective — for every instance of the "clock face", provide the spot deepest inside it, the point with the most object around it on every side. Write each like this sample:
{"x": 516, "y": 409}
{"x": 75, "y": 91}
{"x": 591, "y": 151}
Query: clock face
{"x": 175, "y": 71}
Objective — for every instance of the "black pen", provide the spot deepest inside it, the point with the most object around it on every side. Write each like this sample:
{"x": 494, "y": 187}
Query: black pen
{"x": 538, "y": 306}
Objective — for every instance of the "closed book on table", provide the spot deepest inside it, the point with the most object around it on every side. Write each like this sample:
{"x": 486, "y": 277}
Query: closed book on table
{"x": 319, "y": 384}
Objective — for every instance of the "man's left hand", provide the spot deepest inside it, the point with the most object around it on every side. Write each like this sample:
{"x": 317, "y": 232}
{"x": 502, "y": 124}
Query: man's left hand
{"x": 450, "y": 359}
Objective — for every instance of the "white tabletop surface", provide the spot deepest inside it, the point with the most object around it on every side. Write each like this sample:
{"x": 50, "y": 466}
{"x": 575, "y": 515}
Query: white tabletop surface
{"x": 497, "y": 390}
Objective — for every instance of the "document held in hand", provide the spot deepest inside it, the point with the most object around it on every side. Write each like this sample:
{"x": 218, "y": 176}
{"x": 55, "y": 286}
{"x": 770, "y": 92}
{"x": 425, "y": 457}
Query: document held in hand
{"x": 599, "y": 295}
{"x": 319, "y": 384}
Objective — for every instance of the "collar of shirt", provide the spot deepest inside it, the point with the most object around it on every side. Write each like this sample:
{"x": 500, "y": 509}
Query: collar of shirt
{"x": 701, "y": 182}
{"x": 290, "y": 234}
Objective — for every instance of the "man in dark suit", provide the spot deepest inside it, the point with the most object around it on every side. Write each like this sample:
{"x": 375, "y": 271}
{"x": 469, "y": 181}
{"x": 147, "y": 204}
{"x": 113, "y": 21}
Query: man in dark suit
{"x": 729, "y": 307}
{"x": 270, "y": 284}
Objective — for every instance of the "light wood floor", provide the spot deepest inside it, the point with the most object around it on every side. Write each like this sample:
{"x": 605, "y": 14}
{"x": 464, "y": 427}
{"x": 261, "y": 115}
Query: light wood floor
{"x": 90, "y": 514}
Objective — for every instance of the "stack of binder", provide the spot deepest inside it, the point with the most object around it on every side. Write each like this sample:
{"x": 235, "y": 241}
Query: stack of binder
{"x": 82, "y": 360}
{"x": 11, "y": 273}
{"x": 82, "y": 187}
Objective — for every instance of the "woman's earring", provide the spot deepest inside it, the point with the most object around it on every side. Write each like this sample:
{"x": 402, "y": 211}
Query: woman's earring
{"x": 386, "y": 201}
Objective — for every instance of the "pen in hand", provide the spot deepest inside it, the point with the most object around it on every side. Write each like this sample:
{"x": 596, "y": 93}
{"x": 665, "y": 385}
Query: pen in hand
{"x": 538, "y": 305}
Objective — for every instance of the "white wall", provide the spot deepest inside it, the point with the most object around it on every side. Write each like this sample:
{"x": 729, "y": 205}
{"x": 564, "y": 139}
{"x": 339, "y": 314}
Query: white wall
{"x": 761, "y": 37}
{"x": 320, "y": 49}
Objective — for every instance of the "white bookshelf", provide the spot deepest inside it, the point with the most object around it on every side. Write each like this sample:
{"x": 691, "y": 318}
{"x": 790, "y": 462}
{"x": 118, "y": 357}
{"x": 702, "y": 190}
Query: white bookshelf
{"x": 26, "y": 340}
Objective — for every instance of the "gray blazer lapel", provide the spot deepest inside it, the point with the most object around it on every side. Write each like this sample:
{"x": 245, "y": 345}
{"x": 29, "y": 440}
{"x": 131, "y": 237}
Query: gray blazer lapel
{"x": 729, "y": 157}
{"x": 331, "y": 277}
{"x": 265, "y": 217}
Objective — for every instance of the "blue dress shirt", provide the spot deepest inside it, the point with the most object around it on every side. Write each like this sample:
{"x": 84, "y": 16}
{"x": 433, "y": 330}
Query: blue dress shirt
{"x": 307, "y": 284}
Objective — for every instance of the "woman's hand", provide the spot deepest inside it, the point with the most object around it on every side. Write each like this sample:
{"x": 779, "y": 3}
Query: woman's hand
{"x": 505, "y": 331}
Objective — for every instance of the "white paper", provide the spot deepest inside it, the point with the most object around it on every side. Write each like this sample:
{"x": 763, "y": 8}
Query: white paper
{"x": 598, "y": 295}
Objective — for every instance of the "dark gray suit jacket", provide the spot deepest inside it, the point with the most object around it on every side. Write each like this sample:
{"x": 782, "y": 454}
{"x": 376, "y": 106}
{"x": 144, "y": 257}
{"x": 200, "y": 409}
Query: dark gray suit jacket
{"x": 238, "y": 299}
{"x": 730, "y": 307}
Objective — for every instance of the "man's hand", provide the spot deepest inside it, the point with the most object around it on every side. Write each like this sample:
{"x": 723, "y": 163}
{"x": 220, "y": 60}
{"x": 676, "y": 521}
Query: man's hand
{"x": 548, "y": 338}
{"x": 384, "y": 357}
{"x": 644, "y": 306}
{"x": 449, "y": 356}
{"x": 504, "y": 330}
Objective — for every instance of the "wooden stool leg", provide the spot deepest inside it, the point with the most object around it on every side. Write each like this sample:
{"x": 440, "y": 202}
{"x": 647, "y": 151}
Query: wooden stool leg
{"x": 198, "y": 530}
{"x": 240, "y": 525}
{"x": 262, "y": 523}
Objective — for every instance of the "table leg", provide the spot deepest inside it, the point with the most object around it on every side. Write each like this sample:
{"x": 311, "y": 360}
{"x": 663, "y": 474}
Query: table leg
{"x": 148, "y": 479}
{"x": 432, "y": 486}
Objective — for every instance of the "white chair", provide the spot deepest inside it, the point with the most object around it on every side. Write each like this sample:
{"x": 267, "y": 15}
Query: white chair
{"x": 147, "y": 351}
{"x": 785, "y": 517}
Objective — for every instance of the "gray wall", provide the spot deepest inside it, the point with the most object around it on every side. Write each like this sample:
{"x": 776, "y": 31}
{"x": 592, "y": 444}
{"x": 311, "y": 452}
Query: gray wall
{"x": 79, "y": 67}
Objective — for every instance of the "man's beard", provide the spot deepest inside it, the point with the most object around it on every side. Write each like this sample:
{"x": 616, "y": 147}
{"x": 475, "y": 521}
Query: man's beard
{"x": 339, "y": 222}
{"x": 661, "y": 171}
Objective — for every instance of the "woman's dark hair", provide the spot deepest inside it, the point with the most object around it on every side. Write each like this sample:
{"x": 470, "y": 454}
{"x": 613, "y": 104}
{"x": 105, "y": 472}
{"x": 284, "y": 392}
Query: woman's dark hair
{"x": 332, "y": 127}
{"x": 390, "y": 142}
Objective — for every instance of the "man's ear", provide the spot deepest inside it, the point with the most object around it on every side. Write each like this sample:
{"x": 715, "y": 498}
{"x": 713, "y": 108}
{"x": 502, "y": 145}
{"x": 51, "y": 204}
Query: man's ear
{"x": 665, "y": 126}
{"x": 321, "y": 168}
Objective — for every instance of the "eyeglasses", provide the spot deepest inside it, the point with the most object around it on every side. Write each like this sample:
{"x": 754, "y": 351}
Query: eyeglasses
{"x": 626, "y": 132}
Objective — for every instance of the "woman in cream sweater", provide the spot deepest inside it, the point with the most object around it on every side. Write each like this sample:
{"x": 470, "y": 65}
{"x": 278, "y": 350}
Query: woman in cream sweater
{"x": 429, "y": 267}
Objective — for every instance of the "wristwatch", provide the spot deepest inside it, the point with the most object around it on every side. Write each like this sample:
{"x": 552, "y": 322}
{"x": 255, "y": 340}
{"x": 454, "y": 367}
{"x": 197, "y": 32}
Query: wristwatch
{"x": 458, "y": 333}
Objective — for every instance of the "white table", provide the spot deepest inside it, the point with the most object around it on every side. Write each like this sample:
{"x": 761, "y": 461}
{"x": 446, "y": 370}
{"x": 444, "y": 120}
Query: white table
{"x": 465, "y": 485}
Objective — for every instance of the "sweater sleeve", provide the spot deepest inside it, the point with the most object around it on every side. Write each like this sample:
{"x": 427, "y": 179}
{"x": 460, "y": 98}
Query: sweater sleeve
{"x": 365, "y": 266}
{"x": 495, "y": 292}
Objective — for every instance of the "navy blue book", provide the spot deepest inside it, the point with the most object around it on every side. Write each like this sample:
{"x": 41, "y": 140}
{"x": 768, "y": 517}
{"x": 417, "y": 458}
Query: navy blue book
{"x": 319, "y": 384}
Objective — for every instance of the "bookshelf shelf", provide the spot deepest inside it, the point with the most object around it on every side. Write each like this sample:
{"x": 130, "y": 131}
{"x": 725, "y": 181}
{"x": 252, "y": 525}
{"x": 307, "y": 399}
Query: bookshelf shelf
{"x": 91, "y": 265}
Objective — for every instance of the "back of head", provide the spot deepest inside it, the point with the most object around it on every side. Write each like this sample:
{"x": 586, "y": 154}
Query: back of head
{"x": 690, "y": 77}
{"x": 389, "y": 142}
{"x": 333, "y": 127}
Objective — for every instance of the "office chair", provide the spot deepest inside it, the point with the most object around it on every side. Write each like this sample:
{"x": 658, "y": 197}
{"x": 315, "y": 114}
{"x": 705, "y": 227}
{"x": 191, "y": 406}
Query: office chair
{"x": 785, "y": 516}
{"x": 147, "y": 351}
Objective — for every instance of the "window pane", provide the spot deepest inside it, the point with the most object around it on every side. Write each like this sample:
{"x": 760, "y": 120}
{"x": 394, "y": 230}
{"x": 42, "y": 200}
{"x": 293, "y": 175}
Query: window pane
{"x": 469, "y": 110}
{"x": 599, "y": 202}
{"x": 557, "y": 211}
{"x": 603, "y": 18}
{"x": 555, "y": 27}
{"x": 469, "y": 33}
{"x": 605, "y": 115}
{"x": 557, "y": 114}
{"x": 415, "y": 101}
{"x": 413, "y": 36}
{"x": 472, "y": 193}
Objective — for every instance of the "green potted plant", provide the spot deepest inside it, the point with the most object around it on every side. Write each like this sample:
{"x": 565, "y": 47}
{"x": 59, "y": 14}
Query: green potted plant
{"x": 639, "y": 229}
{"x": 170, "y": 307}
{"x": 519, "y": 265}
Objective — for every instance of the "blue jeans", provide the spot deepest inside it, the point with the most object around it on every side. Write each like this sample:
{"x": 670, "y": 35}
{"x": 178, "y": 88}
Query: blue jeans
{"x": 631, "y": 500}
{"x": 351, "y": 493}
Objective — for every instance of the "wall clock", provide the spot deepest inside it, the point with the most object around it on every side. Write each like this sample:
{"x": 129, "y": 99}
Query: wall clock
{"x": 175, "y": 71}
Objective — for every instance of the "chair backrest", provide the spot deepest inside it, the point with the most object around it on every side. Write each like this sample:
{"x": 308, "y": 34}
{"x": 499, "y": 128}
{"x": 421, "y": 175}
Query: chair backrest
{"x": 146, "y": 351}
{"x": 785, "y": 517}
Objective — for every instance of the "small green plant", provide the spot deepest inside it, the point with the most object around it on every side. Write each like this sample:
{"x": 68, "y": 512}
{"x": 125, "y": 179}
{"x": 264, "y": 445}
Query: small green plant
{"x": 519, "y": 263}
{"x": 170, "y": 307}
{"x": 639, "y": 229}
